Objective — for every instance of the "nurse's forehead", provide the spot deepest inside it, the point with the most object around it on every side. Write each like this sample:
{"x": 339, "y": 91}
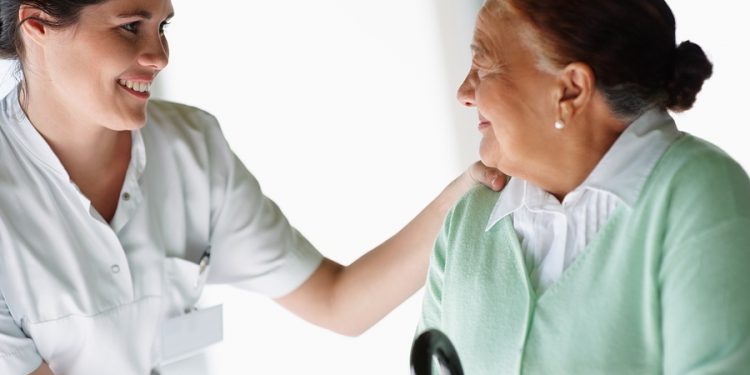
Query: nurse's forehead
{"x": 134, "y": 9}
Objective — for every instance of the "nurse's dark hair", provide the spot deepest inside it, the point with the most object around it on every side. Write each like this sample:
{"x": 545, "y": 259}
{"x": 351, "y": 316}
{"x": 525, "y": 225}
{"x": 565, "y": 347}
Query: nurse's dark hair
{"x": 629, "y": 45}
{"x": 61, "y": 13}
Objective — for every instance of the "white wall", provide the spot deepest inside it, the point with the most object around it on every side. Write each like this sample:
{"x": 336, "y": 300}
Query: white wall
{"x": 345, "y": 113}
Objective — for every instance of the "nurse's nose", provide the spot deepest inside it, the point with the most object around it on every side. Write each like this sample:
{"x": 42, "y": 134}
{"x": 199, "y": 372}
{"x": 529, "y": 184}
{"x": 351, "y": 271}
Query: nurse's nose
{"x": 155, "y": 53}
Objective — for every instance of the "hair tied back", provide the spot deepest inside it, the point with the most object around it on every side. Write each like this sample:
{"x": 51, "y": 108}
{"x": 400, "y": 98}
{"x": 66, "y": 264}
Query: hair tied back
{"x": 690, "y": 69}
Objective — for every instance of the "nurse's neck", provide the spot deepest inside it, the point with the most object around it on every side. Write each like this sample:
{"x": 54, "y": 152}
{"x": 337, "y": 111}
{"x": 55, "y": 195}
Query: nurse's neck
{"x": 95, "y": 157}
{"x": 71, "y": 134}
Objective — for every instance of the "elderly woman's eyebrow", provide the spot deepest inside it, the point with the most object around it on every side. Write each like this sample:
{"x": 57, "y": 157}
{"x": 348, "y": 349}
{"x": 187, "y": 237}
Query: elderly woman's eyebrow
{"x": 476, "y": 49}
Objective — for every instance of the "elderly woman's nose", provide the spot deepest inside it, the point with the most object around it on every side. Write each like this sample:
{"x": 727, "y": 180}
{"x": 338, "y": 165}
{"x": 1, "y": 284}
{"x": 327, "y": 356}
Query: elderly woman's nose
{"x": 465, "y": 93}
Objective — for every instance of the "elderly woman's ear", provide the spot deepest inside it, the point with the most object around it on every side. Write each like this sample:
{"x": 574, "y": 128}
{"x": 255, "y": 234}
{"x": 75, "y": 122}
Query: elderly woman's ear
{"x": 576, "y": 88}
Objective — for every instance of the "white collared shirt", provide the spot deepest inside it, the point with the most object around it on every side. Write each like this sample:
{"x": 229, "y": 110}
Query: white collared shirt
{"x": 89, "y": 297}
{"x": 552, "y": 234}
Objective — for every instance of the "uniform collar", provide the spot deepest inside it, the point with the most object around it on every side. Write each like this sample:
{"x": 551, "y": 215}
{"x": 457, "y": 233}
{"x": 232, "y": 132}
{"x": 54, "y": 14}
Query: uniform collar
{"x": 622, "y": 171}
{"x": 27, "y": 136}
{"x": 19, "y": 126}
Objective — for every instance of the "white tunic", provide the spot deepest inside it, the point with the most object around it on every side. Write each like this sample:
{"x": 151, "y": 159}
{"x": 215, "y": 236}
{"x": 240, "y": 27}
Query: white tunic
{"x": 89, "y": 297}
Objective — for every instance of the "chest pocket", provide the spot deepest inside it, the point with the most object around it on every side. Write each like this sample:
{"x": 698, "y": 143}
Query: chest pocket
{"x": 184, "y": 284}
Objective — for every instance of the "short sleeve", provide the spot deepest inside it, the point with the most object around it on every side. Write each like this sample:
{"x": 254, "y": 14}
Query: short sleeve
{"x": 253, "y": 245}
{"x": 18, "y": 354}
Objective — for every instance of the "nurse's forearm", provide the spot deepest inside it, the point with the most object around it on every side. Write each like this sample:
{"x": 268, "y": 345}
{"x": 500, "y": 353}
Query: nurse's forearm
{"x": 349, "y": 300}
{"x": 383, "y": 278}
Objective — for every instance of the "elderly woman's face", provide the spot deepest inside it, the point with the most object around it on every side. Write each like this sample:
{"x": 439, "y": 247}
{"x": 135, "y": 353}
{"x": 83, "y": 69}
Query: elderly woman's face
{"x": 514, "y": 97}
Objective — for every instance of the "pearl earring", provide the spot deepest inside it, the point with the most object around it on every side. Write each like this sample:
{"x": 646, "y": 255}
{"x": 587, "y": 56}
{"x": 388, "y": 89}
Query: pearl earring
{"x": 559, "y": 124}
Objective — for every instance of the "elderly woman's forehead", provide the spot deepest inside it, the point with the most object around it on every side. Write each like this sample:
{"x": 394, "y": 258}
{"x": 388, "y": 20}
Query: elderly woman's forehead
{"x": 491, "y": 27}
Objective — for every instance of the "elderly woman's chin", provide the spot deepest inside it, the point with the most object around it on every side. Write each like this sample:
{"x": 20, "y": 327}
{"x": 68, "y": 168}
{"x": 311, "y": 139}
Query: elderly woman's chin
{"x": 489, "y": 153}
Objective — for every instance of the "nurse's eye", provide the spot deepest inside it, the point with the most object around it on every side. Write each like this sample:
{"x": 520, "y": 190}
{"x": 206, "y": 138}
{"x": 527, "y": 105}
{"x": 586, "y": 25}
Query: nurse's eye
{"x": 131, "y": 27}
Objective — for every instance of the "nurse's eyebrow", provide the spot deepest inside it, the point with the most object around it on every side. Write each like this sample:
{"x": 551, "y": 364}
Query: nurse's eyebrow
{"x": 141, "y": 14}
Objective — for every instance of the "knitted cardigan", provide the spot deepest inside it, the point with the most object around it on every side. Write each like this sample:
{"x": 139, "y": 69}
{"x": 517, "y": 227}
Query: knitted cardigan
{"x": 664, "y": 287}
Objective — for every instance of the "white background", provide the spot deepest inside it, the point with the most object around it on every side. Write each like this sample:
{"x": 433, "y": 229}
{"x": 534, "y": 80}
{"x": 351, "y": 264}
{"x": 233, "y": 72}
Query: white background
{"x": 345, "y": 112}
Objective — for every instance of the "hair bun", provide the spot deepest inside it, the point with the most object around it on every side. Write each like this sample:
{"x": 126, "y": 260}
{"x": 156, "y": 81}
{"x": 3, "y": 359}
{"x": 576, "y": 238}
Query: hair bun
{"x": 691, "y": 68}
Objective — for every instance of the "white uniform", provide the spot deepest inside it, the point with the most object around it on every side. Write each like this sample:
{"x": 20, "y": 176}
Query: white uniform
{"x": 90, "y": 297}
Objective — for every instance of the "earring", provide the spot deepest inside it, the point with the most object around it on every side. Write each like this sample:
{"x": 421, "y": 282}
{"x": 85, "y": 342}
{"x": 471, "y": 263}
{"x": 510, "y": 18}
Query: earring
{"x": 559, "y": 124}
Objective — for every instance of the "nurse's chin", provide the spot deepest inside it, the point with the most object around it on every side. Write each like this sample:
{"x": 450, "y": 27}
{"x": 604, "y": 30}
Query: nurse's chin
{"x": 131, "y": 122}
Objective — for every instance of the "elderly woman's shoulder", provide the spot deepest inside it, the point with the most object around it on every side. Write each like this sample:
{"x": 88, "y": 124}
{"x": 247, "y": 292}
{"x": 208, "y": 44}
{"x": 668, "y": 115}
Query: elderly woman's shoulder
{"x": 694, "y": 172}
{"x": 477, "y": 202}
{"x": 693, "y": 155}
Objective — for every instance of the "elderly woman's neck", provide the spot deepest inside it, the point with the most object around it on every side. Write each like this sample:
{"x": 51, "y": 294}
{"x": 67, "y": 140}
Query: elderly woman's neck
{"x": 590, "y": 136}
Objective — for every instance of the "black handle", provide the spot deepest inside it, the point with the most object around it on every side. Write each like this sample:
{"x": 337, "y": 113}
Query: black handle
{"x": 432, "y": 343}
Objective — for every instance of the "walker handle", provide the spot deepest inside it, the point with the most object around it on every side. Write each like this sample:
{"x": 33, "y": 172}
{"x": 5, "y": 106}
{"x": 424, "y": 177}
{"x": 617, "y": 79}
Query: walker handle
{"x": 431, "y": 343}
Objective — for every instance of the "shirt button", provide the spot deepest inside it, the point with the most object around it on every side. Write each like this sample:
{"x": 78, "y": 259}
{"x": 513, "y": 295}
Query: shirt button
{"x": 115, "y": 268}
{"x": 126, "y": 196}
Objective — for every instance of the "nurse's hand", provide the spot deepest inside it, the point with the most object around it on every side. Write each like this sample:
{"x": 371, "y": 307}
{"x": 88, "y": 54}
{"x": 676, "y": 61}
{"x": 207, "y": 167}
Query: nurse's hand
{"x": 490, "y": 177}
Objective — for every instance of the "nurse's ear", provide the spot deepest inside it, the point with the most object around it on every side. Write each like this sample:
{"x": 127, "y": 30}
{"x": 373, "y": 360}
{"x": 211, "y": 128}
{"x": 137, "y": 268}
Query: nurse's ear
{"x": 34, "y": 23}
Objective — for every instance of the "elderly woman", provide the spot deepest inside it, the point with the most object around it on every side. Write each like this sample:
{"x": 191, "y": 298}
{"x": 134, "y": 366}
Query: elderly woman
{"x": 620, "y": 244}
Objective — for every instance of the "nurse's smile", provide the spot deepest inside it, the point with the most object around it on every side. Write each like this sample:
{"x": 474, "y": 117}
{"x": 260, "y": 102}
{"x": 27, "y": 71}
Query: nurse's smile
{"x": 139, "y": 88}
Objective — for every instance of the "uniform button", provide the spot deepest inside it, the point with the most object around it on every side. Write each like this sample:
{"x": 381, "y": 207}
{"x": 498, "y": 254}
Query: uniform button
{"x": 115, "y": 268}
{"x": 126, "y": 196}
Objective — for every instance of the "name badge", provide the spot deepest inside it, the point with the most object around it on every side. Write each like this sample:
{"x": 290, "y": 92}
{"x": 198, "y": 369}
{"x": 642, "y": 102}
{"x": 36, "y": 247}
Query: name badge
{"x": 191, "y": 333}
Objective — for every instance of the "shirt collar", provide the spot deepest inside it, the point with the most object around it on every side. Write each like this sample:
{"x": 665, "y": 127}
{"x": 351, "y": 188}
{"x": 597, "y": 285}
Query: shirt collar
{"x": 625, "y": 167}
{"x": 29, "y": 138}
{"x": 622, "y": 171}
{"x": 511, "y": 199}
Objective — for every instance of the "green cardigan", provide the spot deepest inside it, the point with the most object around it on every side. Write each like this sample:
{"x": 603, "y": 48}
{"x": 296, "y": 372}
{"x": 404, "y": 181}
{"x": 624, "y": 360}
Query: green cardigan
{"x": 664, "y": 287}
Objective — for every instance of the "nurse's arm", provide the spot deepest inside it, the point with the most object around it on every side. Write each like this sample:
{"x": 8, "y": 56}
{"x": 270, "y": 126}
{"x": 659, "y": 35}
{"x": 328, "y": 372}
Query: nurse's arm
{"x": 351, "y": 299}
{"x": 42, "y": 370}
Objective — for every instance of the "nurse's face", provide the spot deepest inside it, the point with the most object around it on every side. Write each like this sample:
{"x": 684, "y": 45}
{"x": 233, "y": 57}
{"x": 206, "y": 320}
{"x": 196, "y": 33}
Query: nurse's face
{"x": 102, "y": 67}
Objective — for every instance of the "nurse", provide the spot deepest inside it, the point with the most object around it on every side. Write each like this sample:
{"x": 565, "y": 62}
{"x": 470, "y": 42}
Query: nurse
{"x": 109, "y": 201}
